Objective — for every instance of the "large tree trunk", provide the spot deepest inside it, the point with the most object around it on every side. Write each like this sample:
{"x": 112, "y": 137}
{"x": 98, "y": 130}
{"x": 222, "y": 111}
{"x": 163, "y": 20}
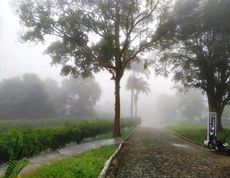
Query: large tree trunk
{"x": 219, "y": 112}
{"x": 116, "y": 126}
{"x": 219, "y": 126}
{"x": 216, "y": 106}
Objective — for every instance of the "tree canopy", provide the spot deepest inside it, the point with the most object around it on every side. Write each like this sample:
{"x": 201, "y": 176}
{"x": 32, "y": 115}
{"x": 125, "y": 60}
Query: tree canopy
{"x": 91, "y": 35}
{"x": 23, "y": 97}
{"x": 80, "y": 96}
{"x": 191, "y": 104}
{"x": 195, "y": 43}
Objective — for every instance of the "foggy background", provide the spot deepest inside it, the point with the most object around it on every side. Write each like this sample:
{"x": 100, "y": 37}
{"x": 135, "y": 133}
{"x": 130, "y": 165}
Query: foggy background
{"x": 17, "y": 59}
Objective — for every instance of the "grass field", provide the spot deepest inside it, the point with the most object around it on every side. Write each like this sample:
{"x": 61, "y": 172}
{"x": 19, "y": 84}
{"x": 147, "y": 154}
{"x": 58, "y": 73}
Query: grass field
{"x": 87, "y": 165}
{"x": 198, "y": 131}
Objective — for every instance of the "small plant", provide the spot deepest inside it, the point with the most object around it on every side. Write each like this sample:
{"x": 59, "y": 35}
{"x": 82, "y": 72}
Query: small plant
{"x": 14, "y": 168}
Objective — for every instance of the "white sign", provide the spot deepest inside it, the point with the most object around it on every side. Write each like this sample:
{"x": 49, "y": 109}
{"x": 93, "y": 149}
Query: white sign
{"x": 211, "y": 127}
{"x": 212, "y": 124}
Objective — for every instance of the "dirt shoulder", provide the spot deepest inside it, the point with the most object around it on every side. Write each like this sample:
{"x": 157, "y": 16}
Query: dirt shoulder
{"x": 153, "y": 152}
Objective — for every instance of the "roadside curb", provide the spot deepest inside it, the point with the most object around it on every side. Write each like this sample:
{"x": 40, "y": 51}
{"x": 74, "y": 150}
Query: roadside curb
{"x": 189, "y": 140}
{"x": 109, "y": 161}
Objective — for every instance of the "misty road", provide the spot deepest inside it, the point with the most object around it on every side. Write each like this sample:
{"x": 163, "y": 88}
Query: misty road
{"x": 151, "y": 152}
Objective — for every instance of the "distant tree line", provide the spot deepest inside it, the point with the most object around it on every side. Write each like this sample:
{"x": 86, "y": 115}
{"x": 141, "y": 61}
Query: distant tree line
{"x": 188, "y": 106}
{"x": 30, "y": 97}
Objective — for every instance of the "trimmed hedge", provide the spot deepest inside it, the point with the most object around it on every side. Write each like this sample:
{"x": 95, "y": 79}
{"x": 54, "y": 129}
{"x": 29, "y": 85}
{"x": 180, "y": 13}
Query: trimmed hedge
{"x": 24, "y": 142}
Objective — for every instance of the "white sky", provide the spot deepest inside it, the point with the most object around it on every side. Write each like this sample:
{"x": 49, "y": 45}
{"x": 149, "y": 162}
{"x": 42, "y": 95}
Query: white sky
{"x": 17, "y": 58}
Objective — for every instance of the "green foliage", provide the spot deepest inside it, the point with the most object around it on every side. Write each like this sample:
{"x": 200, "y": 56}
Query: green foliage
{"x": 119, "y": 26}
{"x": 18, "y": 143}
{"x": 191, "y": 104}
{"x": 73, "y": 29}
{"x": 14, "y": 168}
{"x": 81, "y": 95}
{"x": 196, "y": 132}
{"x": 23, "y": 97}
{"x": 224, "y": 134}
{"x": 30, "y": 97}
{"x": 195, "y": 45}
{"x": 86, "y": 165}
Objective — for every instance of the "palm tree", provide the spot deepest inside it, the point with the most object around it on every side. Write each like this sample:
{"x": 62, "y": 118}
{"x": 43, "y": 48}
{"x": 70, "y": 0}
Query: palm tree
{"x": 138, "y": 68}
{"x": 132, "y": 81}
{"x": 131, "y": 85}
{"x": 136, "y": 85}
{"x": 142, "y": 86}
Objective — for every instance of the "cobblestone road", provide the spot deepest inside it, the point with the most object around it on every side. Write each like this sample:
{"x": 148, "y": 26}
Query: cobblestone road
{"x": 157, "y": 153}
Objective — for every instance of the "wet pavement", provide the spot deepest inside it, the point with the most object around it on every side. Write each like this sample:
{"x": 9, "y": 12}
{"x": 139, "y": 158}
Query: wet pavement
{"x": 151, "y": 153}
{"x": 69, "y": 150}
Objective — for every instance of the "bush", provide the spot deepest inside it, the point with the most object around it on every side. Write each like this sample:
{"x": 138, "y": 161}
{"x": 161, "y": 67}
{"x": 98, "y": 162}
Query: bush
{"x": 23, "y": 142}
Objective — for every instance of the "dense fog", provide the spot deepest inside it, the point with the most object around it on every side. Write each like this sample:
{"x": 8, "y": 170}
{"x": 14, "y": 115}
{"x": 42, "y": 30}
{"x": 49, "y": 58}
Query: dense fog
{"x": 159, "y": 104}
{"x": 30, "y": 97}
{"x": 33, "y": 97}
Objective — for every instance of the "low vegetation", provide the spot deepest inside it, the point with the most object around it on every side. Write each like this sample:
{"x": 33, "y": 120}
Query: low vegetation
{"x": 18, "y": 143}
{"x": 85, "y": 165}
{"x": 198, "y": 131}
{"x": 14, "y": 168}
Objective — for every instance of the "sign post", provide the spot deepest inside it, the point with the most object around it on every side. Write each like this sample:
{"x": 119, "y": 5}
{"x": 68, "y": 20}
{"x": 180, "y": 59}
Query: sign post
{"x": 211, "y": 127}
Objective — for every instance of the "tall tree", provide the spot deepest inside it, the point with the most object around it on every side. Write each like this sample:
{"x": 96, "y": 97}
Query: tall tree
{"x": 55, "y": 96}
{"x": 92, "y": 35}
{"x": 142, "y": 86}
{"x": 191, "y": 104}
{"x": 136, "y": 69}
{"x": 24, "y": 97}
{"x": 130, "y": 85}
{"x": 195, "y": 43}
{"x": 81, "y": 96}
{"x": 136, "y": 85}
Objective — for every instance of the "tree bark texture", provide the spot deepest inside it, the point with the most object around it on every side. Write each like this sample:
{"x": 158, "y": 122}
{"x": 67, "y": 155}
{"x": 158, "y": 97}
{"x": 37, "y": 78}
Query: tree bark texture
{"x": 116, "y": 127}
{"x": 216, "y": 105}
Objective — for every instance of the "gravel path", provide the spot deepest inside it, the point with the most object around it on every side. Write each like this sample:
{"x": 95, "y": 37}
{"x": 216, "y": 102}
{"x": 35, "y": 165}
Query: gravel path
{"x": 159, "y": 153}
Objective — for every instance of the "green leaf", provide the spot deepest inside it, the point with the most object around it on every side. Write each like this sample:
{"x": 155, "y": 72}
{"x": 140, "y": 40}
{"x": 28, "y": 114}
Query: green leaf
{"x": 15, "y": 167}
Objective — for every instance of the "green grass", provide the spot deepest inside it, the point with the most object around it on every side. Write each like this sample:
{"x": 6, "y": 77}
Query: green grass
{"x": 194, "y": 132}
{"x": 124, "y": 134}
{"x": 87, "y": 165}
{"x": 225, "y": 134}
{"x": 198, "y": 132}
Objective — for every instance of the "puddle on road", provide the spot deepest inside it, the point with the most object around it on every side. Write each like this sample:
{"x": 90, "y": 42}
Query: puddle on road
{"x": 180, "y": 145}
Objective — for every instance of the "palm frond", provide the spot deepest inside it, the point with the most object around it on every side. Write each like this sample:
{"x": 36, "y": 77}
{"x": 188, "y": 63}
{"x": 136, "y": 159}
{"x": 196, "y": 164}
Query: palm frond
{"x": 14, "y": 168}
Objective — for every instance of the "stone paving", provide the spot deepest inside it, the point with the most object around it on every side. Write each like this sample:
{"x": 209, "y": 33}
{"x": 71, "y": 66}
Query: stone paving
{"x": 153, "y": 153}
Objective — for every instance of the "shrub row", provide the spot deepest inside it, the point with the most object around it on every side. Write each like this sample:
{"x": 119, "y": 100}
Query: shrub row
{"x": 26, "y": 142}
